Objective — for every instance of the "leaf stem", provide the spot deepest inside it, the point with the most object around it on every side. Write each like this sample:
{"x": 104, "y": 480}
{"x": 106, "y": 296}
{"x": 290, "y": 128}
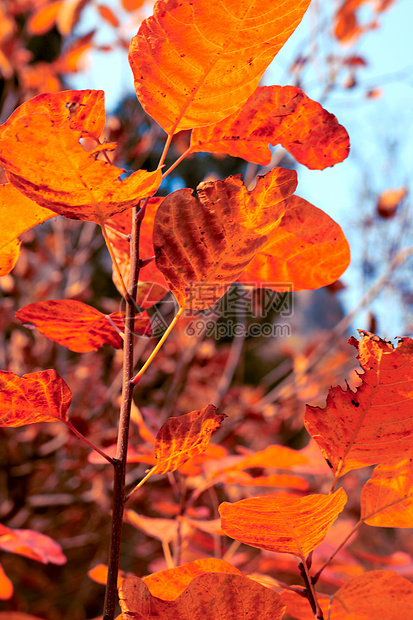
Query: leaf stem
{"x": 310, "y": 591}
{"x": 172, "y": 324}
{"x": 341, "y": 545}
{"x": 177, "y": 162}
{"x": 89, "y": 443}
{"x": 123, "y": 429}
{"x": 165, "y": 149}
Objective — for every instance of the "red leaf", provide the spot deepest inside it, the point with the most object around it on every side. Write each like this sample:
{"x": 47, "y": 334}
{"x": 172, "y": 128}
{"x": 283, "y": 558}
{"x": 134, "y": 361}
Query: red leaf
{"x": 77, "y": 326}
{"x": 203, "y": 244}
{"x": 32, "y": 545}
{"x": 37, "y": 397}
{"x": 374, "y": 423}
{"x": 277, "y": 115}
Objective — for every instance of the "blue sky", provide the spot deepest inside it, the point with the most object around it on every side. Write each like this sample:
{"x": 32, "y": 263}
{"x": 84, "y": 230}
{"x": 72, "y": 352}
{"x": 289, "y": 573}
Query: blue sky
{"x": 381, "y": 135}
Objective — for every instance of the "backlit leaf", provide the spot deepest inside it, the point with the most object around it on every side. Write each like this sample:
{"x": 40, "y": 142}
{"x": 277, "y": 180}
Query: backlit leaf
{"x": 69, "y": 15}
{"x": 387, "y": 498}
{"x": 17, "y": 214}
{"x": 32, "y": 545}
{"x": 169, "y": 584}
{"x": 183, "y": 437}
{"x": 308, "y": 250}
{"x": 36, "y": 397}
{"x": 203, "y": 244}
{"x": 196, "y": 62}
{"x": 376, "y": 594}
{"x": 277, "y": 115}
{"x": 389, "y": 201}
{"x": 282, "y": 524}
{"x": 43, "y": 158}
{"x": 77, "y": 326}
{"x": 373, "y": 424}
{"x": 216, "y": 596}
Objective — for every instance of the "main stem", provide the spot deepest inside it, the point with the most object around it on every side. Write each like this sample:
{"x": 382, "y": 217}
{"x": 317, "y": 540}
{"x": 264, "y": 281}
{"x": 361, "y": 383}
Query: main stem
{"x": 119, "y": 462}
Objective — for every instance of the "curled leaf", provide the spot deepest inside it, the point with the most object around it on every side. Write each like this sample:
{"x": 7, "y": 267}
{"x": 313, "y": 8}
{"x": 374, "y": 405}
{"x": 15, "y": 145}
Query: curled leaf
{"x": 75, "y": 184}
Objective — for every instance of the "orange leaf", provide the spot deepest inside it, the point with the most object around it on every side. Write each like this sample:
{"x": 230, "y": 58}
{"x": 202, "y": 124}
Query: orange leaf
{"x": 69, "y": 15}
{"x": 17, "y": 214}
{"x": 170, "y": 583}
{"x": 374, "y": 423}
{"x": 203, "y": 244}
{"x": 299, "y": 606}
{"x": 387, "y": 498}
{"x": 216, "y": 596}
{"x": 122, "y": 223}
{"x": 108, "y": 15}
{"x": 43, "y": 18}
{"x": 282, "y": 524}
{"x": 389, "y": 201}
{"x": 77, "y": 326}
{"x": 196, "y": 62}
{"x": 376, "y": 594}
{"x": 181, "y": 438}
{"x": 32, "y": 545}
{"x": 81, "y": 110}
{"x": 37, "y": 397}
{"x": 164, "y": 530}
{"x": 44, "y": 160}
{"x": 6, "y": 586}
{"x": 307, "y": 250}
{"x": 277, "y": 115}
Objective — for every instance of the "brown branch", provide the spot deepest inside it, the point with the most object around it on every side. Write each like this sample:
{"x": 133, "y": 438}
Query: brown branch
{"x": 123, "y": 429}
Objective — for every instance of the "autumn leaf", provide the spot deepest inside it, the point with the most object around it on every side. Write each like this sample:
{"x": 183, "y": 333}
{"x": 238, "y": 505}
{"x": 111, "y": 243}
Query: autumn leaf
{"x": 17, "y": 214}
{"x": 277, "y": 115}
{"x": 308, "y": 250}
{"x": 181, "y": 438}
{"x": 77, "y": 326}
{"x": 17, "y": 615}
{"x": 203, "y": 244}
{"x": 32, "y": 545}
{"x": 387, "y": 497}
{"x": 196, "y": 62}
{"x": 216, "y": 596}
{"x": 373, "y": 424}
{"x": 76, "y": 185}
{"x": 36, "y": 397}
{"x": 43, "y": 18}
{"x": 282, "y": 524}
{"x": 389, "y": 201}
{"x": 376, "y": 594}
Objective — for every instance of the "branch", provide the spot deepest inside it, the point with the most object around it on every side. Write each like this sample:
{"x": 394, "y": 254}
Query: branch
{"x": 123, "y": 429}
